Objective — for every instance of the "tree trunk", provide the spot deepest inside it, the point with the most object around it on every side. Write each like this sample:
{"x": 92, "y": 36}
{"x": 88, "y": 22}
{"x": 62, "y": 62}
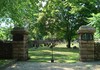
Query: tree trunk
{"x": 69, "y": 44}
{"x": 69, "y": 38}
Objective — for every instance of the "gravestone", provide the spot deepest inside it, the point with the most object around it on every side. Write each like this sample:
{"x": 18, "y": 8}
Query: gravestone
{"x": 86, "y": 43}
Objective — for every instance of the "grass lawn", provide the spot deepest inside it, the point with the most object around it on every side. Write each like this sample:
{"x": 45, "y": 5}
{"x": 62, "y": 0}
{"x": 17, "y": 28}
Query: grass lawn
{"x": 4, "y": 62}
{"x": 61, "y": 54}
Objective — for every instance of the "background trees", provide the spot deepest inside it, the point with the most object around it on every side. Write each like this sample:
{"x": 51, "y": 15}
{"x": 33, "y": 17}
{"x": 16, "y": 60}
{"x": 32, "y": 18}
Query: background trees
{"x": 63, "y": 18}
{"x": 48, "y": 18}
{"x": 22, "y": 13}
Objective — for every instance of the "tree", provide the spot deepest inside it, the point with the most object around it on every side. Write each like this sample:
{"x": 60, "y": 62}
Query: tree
{"x": 63, "y": 18}
{"x": 22, "y": 13}
{"x": 49, "y": 18}
{"x": 53, "y": 19}
{"x": 95, "y": 22}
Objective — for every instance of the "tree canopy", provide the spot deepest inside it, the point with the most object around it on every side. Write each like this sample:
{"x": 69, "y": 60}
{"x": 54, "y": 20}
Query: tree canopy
{"x": 48, "y": 18}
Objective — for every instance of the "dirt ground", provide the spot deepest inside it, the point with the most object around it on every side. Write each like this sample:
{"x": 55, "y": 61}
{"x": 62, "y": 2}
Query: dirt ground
{"x": 54, "y": 66}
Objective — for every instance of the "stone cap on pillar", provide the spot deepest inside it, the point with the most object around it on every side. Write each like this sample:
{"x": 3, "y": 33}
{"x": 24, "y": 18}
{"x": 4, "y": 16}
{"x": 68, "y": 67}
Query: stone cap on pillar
{"x": 19, "y": 30}
{"x": 86, "y": 29}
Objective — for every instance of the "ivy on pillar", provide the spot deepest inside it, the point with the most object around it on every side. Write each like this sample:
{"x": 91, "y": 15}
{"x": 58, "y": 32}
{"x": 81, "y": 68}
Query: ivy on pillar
{"x": 86, "y": 43}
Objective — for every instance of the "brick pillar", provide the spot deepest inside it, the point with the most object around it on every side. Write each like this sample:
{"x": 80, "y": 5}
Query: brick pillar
{"x": 86, "y": 43}
{"x": 20, "y": 47}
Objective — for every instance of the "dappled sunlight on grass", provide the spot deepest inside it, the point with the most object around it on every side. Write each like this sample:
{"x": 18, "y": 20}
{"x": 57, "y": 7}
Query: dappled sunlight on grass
{"x": 61, "y": 45}
{"x": 61, "y": 54}
{"x": 64, "y": 44}
{"x": 49, "y": 51}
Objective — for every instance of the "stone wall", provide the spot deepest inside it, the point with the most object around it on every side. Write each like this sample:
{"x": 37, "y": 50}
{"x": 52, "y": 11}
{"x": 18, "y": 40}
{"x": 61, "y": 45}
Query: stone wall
{"x": 97, "y": 51}
{"x": 89, "y": 49}
{"x": 5, "y": 50}
{"x": 16, "y": 49}
{"x": 86, "y": 43}
{"x": 20, "y": 50}
{"x": 86, "y": 51}
{"x": 20, "y": 46}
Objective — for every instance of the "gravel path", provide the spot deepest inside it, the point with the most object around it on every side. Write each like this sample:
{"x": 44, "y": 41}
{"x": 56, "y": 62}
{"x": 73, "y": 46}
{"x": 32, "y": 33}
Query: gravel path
{"x": 55, "y": 66}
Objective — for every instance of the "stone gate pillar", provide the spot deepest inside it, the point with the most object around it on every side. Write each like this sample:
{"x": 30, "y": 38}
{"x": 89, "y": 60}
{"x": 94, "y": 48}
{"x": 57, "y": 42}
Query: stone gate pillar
{"x": 86, "y": 43}
{"x": 20, "y": 47}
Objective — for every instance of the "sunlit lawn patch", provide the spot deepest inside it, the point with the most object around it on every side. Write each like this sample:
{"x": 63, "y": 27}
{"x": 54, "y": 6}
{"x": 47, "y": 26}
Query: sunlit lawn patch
{"x": 61, "y": 54}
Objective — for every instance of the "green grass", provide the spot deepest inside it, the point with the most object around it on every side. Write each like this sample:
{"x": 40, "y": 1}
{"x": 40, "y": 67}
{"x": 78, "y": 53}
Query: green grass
{"x": 61, "y": 54}
{"x": 4, "y": 62}
{"x": 64, "y": 44}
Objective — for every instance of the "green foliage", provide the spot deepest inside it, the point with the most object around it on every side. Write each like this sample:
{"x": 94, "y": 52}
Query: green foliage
{"x": 5, "y": 33}
{"x": 49, "y": 18}
{"x": 22, "y": 13}
{"x": 61, "y": 19}
{"x": 5, "y": 28}
{"x": 95, "y": 22}
{"x": 4, "y": 62}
